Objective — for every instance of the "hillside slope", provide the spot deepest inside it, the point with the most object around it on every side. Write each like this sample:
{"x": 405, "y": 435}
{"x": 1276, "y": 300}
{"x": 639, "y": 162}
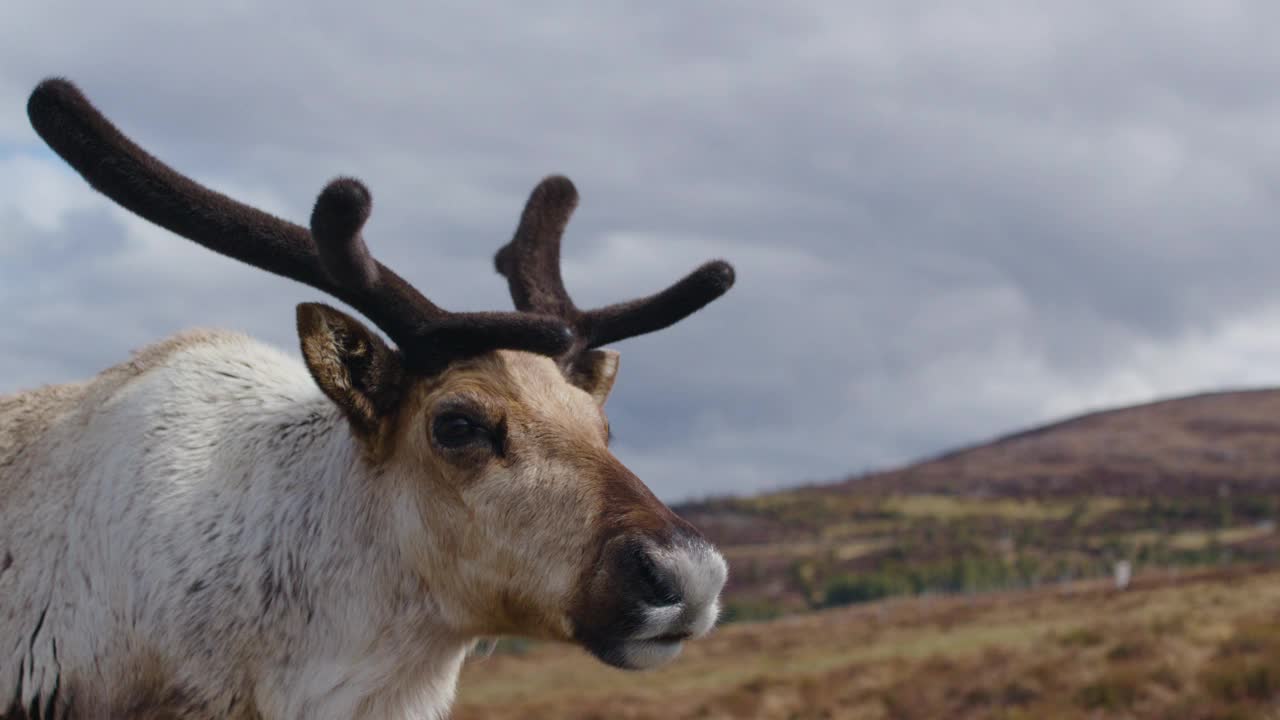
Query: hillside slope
{"x": 1184, "y": 445}
{"x": 1186, "y": 482}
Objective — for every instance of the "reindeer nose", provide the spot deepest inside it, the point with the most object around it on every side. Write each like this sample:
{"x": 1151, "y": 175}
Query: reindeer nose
{"x": 652, "y": 596}
{"x": 657, "y": 587}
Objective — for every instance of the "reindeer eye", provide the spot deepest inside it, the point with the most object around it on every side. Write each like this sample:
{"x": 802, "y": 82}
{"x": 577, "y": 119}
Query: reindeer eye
{"x": 455, "y": 430}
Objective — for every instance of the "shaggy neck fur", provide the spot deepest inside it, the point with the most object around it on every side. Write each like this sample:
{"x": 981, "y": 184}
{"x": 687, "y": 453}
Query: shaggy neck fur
{"x": 218, "y": 549}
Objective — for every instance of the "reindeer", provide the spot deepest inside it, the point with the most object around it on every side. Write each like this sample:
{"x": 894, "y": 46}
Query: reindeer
{"x": 210, "y": 531}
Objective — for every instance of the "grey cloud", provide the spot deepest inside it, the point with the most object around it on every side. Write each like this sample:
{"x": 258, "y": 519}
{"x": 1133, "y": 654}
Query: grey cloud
{"x": 948, "y": 220}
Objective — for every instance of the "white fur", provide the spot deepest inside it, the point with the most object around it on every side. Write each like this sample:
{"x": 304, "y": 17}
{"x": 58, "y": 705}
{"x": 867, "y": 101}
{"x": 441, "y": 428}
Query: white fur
{"x": 153, "y": 506}
{"x": 700, "y": 572}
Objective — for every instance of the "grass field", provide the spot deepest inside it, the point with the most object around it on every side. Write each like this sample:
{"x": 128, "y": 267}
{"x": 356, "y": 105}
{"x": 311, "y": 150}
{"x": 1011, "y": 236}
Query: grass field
{"x": 1189, "y": 644}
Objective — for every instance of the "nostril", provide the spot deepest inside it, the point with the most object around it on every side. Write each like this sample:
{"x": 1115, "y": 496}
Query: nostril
{"x": 657, "y": 587}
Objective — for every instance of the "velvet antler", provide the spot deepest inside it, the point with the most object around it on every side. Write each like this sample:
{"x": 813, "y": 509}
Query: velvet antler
{"x": 531, "y": 264}
{"x": 332, "y": 257}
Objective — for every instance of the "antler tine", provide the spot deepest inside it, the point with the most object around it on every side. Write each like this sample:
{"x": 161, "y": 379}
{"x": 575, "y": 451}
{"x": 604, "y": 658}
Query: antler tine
{"x": 339, "y": 215}
{"x": 531, "y": 261}
{"x": 335, "y": 261}
{"x": 655, "y": 312}
{"x": 531, "y": 264}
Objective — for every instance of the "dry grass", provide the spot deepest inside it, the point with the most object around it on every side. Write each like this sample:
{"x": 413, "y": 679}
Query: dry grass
{"x": 1201, "y": 645}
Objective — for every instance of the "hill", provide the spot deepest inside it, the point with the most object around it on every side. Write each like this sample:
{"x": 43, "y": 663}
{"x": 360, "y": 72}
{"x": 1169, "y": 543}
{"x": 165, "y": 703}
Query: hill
{"x": 1186, "y": 446}
{"x": 1184, "y": 482}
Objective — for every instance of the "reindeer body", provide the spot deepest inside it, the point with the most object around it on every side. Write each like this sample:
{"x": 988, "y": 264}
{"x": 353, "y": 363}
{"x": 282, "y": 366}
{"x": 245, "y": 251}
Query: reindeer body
{"x": 193, "y": 534}
{"x": 213, "y": 530}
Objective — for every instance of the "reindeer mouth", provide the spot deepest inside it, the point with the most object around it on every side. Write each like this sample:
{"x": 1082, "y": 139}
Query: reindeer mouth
{"x": 670, "y": 626}
{"x": 644, "y": 654}
{"x": 646, "y": 650}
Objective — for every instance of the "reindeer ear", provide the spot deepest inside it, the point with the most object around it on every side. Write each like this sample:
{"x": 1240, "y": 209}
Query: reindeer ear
{"x": 351, "y": 364}
{"x": 595, "y": 371}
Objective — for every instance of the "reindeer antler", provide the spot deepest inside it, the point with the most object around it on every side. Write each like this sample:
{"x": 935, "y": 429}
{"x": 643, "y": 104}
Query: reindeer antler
{"x": 531, "y": 264}
{"x": 332, "y": 257}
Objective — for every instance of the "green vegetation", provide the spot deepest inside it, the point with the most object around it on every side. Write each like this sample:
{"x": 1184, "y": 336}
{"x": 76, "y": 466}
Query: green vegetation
{"x": 850, "y": 548}
{"x": 750, "y": 610}
{"x": 966, "y": 573}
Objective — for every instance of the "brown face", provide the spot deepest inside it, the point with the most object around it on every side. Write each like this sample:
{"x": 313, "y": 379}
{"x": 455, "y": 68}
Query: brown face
{"x": 531, "y": 525}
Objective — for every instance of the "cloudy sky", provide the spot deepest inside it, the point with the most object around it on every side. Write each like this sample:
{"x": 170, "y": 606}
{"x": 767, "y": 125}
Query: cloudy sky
{"x": 950, "y": 220}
